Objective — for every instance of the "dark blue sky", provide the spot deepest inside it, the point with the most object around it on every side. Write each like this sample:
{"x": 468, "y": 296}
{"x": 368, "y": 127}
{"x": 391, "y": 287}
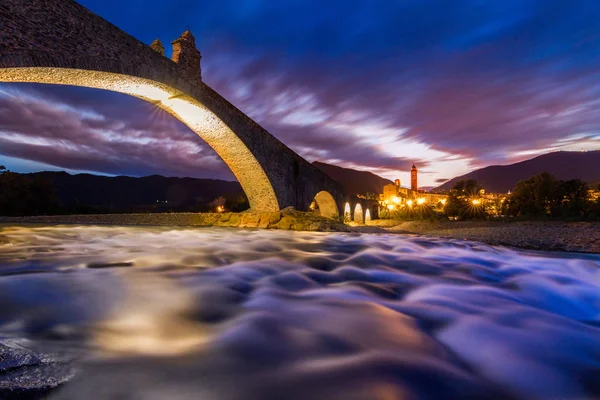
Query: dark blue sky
{"x": 375, "y": 85}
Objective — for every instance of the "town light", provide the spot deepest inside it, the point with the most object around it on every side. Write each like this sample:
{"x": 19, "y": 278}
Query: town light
{"x": 391, "y": 207}
{"x": 420, "y": 200}
{"x": 220, "y": 209}
{"x": 476, "y": 202}
{"x": 410, "y": 203}
{"x": 396, "y": 199}
{"x": 443, "y": 201}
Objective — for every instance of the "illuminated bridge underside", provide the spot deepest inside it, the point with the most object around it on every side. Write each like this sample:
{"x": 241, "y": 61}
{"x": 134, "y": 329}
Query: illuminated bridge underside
{"x": 185, "y": 108}
{"x": 61, "y": 42}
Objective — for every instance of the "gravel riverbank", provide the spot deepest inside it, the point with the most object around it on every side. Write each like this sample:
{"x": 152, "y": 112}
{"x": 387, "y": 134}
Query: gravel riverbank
{"x": 286, "y": 219}
{"x": 537, "y": 235}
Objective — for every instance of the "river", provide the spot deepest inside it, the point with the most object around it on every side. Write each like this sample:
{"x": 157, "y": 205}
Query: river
{"x": 91, "y": 312}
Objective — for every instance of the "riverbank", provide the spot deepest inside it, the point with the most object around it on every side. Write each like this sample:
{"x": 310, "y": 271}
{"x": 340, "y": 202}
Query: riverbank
{"x": 535, "y": 235}
{"x": 286, "y": 219}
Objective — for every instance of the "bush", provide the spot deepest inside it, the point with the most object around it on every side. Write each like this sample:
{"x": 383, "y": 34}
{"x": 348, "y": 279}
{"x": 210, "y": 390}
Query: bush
{"x": 418, "y": 212}
{"x": 543, "y": 196}
{"x": 462, "y": 201}
{"x": 21, "y": 195}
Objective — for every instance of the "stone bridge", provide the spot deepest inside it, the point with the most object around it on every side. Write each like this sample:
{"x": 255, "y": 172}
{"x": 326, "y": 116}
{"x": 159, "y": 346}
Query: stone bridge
{"x": 61, "y": 42}
{"x": 360, "y": 210}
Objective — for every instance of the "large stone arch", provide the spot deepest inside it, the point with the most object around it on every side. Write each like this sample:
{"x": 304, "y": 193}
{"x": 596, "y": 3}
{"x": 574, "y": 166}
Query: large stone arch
{"x": 61, "y": 42}
{"x": 188, "y": 110}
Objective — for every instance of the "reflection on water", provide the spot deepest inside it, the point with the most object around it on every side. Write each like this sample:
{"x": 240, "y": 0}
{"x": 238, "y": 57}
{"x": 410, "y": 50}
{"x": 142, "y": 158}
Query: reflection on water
{"x": 154, "y": 313}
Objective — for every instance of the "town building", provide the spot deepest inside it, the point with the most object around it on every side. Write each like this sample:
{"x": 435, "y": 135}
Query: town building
{"x": 395, "y": 197}
{"x": 413, "y": 179}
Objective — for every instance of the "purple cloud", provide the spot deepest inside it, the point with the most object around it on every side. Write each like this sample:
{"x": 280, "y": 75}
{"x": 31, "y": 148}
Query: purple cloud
{"x": 449, "y": 87}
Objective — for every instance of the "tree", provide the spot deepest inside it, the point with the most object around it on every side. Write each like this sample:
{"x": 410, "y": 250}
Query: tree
{"x": 417, "y": 212}
{"x": 218, "y": 204}
{"x": 20, "y": 195}
{"x": 572, "y": 200}
{"x": 236, "y": 202}
{"x": 594, "y": 209}
{"x": 463, "y": 202}
{"x": 542, "y": 196}
{"x": 466, "y": 188}
{"x": 533, "y": 197}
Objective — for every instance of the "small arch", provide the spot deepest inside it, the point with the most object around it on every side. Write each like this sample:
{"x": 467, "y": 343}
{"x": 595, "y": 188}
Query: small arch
{"x": 326, "y": 205}
{"x": 347, "y": 213}
{"x": 367, "y": 215}
{"x": 358, "y": 214}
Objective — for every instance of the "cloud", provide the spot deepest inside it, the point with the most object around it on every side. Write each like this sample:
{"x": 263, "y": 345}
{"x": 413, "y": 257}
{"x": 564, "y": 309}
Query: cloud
{"x": 120, "y": 136}
{"x": 450, "y": 86}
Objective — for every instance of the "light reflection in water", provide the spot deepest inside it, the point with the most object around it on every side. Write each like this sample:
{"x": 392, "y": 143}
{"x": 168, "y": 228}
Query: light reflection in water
{"x": 224, "y": 313}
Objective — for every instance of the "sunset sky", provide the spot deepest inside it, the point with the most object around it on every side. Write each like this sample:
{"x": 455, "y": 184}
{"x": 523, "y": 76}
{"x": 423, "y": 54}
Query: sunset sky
{"x": 374, "y": 85}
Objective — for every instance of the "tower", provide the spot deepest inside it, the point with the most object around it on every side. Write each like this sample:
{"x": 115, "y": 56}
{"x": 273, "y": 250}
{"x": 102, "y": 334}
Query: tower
{"x": 413, "y": 178}
{"x": 397, "y": 182}
{"x": 158, "y": 47}
{"x": 187, "y": 56}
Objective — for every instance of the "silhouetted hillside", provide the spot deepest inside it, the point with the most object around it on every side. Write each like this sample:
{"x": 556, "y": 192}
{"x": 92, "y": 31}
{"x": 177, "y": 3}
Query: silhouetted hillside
{"x": 92, "y": 193}
{"x": 563, "y": 165}
{"x": 354, "y": 181}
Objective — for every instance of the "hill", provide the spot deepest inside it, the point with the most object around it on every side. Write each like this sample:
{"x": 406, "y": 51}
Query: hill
{"x": 563, "y": 165}
{"x": 86, "y": 192}
{"x": 353, "y": 181}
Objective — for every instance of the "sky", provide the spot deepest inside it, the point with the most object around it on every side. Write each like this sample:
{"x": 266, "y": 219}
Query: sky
{"x": 376, "y": 85}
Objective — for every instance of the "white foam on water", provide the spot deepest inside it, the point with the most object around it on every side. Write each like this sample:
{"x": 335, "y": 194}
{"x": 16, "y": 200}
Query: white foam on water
{"x": 224, "y": 313}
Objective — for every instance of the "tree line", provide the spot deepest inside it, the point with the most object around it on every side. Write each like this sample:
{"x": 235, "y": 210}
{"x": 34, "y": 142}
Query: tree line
{"x": 539, "y": 197}
{"x": 21, "y": 195}
{"x": 26, "y": 195}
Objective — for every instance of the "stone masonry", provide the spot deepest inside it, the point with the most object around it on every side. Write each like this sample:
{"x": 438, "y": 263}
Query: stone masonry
{"x": 63, "y": 34}
{"x": 287, "y": 219}
{"x": 158, "y": 47}
{"x": 187, "y": 56}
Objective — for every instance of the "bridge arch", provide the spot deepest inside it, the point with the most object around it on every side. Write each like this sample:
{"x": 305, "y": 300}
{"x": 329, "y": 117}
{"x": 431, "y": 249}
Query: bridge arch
{"x": 347, "y": 212}
{"x": 327, "y": 205}
{"x": 358, "y": 214}
{"x": 62, "y": 42}
{"x": 188, "y": 110}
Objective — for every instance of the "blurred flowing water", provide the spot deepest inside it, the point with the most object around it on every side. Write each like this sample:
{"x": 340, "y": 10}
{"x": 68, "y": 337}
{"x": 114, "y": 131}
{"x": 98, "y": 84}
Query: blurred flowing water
{"x": 156, "y": 313}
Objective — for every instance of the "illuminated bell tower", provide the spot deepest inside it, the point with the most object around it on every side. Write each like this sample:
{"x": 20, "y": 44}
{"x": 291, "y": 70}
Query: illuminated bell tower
{"x": 413, "y": 178}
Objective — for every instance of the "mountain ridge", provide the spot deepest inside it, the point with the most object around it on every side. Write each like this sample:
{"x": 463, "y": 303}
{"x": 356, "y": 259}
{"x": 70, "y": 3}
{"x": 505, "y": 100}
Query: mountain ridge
{"x": 127, "y": 194}
{"x": 354, "y": 181}
{"x": 563, "y": 165}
